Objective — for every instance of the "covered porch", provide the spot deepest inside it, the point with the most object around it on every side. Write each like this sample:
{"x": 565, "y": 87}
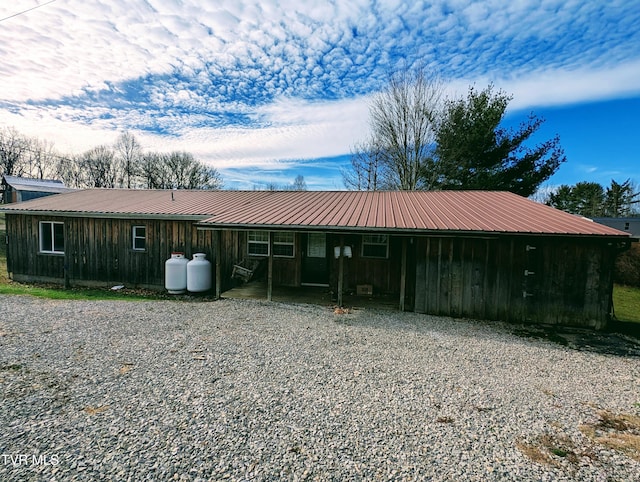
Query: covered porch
{"x": 315, "y": 295}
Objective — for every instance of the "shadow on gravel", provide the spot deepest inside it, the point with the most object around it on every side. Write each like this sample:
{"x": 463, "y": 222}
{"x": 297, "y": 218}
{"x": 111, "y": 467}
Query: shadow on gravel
{"x": 620, "y": 339}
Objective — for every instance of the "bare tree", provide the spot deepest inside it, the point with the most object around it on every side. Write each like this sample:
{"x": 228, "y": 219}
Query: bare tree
{"x": 153, "y": 171}
{"x": 129, "y": 153}
{"x": 21, "y": 155}
{"x": 13, "y": 148}
{"x": 299, "y": 183}
{"x": 366, "y": 166}
{"x": 99, "y": 167}
{"x": 41, "y": 159}
{"x": 177, "y": 170}
{"x": 120, "y": 165}
{"x": 208, "y": 178}
{"x": 404, "y": 118}
{"x": 69, "y": 170}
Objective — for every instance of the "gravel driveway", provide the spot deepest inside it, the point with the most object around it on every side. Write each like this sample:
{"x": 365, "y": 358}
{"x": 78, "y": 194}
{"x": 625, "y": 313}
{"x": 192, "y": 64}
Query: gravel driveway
{"x": 249, "y": 390}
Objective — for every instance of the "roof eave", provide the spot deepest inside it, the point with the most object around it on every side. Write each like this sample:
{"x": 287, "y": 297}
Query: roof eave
{"x": 103, "y": 215}
{"x": 399, "y": 231}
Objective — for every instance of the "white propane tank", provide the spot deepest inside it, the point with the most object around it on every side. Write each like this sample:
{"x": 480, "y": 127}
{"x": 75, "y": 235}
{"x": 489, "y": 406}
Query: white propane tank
{"x": 175, "y": 274}
{"x": 199, "y": 274}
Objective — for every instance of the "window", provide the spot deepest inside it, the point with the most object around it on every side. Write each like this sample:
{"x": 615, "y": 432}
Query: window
{"x": 626, "y": 226}
{"x": 283, "y": 245}
{"x": 258, "y": 243}
{"x": 51, "y": 237}
{"x": 139, "y": 235}
{"x": 375, "y": 245}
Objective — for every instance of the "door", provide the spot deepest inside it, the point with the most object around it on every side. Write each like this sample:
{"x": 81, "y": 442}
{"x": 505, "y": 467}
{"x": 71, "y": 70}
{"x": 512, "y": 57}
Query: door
{"x": 315, "y": 266}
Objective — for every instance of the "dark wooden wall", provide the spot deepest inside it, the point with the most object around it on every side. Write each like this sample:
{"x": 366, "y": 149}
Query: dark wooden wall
{"x": 520, "y": 279}
{"x": 382, "y": 274}
{"x": 99, "y": 251}
{"x": 512, "y": 278}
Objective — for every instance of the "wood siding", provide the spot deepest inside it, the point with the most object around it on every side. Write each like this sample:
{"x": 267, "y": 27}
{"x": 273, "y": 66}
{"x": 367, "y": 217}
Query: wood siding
{"x": 382, "y": 273}
{"x": 538, "y": 280}
{"x": 99, "y": 251}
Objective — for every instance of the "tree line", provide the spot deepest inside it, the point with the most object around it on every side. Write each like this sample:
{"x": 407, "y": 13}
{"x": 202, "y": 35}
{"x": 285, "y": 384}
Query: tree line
{"x": 122, "y": 164}
{"x": 420, "y": 140}
{"x": 592, "y": 200}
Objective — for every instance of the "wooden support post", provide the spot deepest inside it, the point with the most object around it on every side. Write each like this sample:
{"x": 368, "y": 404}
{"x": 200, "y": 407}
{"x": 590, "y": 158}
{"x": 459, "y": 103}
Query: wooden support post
{"x": 340, "y": 271}
{"x": 218, "y": 264}
{"x": 270, "y": 268}
{"x": 403, "y": 273}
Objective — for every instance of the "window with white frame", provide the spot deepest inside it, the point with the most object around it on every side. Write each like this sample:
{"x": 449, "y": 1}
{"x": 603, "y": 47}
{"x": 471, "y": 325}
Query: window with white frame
{"x": 51, "y": 237}
{"x": 283, "y": 245}
{"x": 258, "y": 243}
{"x": 139, "y": 238}
{"x": 375, "y": 246}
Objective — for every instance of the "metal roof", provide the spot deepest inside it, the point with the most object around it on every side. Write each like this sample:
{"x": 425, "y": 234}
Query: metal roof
{"x": 411, "y": 211}
{"x": 195, "y": 205}
{"x": 37, "y": 185}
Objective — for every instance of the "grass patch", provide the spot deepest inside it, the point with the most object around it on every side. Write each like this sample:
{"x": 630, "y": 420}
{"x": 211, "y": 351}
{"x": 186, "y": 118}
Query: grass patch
{"x": 615, "y": 431}
{"x": 620, "y": 432}
{"x": 549, "y": 449}
{"x": 626, "y": 303}
{"x": 54, "y": 292}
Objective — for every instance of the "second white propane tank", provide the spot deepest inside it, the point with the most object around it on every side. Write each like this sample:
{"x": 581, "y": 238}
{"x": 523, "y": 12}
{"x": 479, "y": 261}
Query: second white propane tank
{"x": 199, "y": 274}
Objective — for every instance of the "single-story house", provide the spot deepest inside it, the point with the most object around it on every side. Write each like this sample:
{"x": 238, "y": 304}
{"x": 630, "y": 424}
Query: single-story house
{"x": 476, "y": 254}
{"x": 16, "y": 189}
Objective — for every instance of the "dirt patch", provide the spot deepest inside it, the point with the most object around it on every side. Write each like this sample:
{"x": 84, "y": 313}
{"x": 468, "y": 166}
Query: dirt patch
{"x": 620, "y": 432}
{"x": 582, "y": 339}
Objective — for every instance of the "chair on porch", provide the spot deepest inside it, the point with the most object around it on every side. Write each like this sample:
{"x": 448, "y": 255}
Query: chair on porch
{"x": 245, "y": 270}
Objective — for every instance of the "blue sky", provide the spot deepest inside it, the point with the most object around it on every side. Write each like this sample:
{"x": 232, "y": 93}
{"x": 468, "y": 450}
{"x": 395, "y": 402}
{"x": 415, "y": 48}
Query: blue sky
{"x": 264, "y": 91}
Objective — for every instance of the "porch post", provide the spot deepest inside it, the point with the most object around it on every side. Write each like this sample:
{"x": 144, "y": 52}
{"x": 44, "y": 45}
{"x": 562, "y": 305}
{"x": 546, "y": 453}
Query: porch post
{"x": 218, "y": 264}
{"x": 270, "y": 268}
{"x": 340, "y": 270}
{"x": 403, "y": 273}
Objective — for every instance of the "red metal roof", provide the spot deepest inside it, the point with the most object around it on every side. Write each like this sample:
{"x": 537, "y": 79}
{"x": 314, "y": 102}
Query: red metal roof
{"x": 460, "y": 211}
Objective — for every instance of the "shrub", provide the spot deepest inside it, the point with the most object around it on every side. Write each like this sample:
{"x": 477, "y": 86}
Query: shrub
{"x": 627, "y": 271}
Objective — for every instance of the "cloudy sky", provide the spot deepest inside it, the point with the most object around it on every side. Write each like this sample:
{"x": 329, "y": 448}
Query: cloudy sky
{"x": 267, "y": 90}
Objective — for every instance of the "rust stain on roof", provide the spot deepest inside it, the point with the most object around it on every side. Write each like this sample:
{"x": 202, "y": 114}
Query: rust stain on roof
{"x": 459, "y": 211}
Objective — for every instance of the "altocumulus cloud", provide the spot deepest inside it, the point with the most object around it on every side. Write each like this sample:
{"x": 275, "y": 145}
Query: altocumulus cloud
{"x": 246, "y": 83}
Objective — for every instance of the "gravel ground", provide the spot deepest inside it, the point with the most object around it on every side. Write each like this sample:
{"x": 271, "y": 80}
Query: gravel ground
{"x": 250, "y": 390}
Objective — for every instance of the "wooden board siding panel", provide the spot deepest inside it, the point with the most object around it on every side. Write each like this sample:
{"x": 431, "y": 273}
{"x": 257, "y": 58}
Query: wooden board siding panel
{"x": 450, "y": 276}
{"x": 286, "y": 271}
{"x": 573, "y": 279}
{"x": 100, "y": 251}
{"x": 559, "y": 282}
{"x": 421, "y": 248}
{"x": 382, "y": 273}
{"x": 24, "y": 256}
